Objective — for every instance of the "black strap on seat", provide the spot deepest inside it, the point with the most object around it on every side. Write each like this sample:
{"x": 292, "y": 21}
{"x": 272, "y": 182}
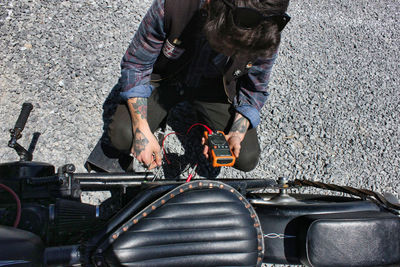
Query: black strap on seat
{"x": 201, "y": 223}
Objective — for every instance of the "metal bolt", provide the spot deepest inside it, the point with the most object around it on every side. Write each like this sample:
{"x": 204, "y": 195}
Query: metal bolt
{"x": 283, "y": 180}
{"x": 237, "y": 73}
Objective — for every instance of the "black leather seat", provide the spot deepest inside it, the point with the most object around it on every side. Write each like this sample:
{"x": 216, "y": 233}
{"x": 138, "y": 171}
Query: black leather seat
{"x": 350, "y": 239}
{"x": 201, "y": 223}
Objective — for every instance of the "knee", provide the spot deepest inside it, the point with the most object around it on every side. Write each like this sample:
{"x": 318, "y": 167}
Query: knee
{"x": 120, "y": 136}
{"x": 247, "y": 160}
{"x": 119, "y": 130}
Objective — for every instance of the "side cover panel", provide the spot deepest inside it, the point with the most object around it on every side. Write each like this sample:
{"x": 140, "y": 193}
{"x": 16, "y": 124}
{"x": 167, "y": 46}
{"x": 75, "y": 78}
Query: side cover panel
{"x": 19, "y": 248}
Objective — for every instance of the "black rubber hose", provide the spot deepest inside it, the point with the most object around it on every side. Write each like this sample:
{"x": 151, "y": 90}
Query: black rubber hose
{"x": 62, "y": 256}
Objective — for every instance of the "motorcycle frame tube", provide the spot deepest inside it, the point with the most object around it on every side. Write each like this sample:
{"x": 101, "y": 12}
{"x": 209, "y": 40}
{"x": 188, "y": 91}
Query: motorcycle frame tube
{"x": 105, "y": 181}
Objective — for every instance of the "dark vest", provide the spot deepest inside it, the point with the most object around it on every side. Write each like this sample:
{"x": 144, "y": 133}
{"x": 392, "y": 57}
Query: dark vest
{"x": 183, "y": 23}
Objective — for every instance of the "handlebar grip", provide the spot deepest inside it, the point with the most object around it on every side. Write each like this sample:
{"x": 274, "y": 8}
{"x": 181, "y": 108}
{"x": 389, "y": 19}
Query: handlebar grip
{"x": 23, "y": 116}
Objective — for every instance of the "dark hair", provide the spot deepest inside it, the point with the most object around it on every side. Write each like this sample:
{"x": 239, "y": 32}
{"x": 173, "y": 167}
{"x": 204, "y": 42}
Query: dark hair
{"x": 226, "y": 38}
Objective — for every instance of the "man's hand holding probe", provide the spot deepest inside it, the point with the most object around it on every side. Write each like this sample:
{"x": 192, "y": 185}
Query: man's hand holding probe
{"x": 145, "y": 147}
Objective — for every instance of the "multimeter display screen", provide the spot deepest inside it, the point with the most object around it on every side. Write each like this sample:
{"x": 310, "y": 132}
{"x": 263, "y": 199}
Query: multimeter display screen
{"x": 218, "y": 139}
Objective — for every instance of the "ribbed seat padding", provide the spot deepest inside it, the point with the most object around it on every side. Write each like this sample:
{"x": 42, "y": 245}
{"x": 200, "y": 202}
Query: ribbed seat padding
{"x": 201, "y": 223}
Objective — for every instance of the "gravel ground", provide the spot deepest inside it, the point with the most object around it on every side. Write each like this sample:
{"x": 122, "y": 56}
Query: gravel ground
{"x": 333, "y": 114}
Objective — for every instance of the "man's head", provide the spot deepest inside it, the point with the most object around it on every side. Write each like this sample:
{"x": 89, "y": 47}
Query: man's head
{"x": 250, "y": 27}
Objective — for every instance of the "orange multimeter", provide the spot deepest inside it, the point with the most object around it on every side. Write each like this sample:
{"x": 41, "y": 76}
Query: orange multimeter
{"x": 218, "y": 149}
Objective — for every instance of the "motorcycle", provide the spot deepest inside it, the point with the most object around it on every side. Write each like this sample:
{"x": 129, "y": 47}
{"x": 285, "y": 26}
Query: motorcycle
{"x": 220, "y": 222}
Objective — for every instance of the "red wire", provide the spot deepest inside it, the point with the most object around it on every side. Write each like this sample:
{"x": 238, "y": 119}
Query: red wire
{"x": 190, "y": 176}
{"x": 165, "y": 153}
{"x": 197, "y": 124}
{"x": 187, "y": 132}
{"x": 9, "y": 190}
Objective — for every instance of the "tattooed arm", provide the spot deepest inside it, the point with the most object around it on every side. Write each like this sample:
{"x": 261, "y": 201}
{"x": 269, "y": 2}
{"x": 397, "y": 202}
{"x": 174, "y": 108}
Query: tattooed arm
{"x": 235, "y": 135}
{"x": 144, "y": 144}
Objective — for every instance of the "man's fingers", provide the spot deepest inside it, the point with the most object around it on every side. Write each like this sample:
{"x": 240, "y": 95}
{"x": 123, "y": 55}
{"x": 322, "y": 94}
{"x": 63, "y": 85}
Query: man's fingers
{"x": 146, "y": 163}
{"x": 205, "y": 149}
{"x": 205, "y": 152}
{"x": 236, "y": 150}
{"x": 154, "y": 161}
{"x": 234, "y": 145}
{"x": 158, "y": 159}
{"x": 153, "y": 165}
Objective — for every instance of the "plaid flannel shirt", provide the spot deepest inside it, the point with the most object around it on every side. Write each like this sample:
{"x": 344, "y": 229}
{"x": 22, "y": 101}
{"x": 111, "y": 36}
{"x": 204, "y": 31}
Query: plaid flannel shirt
{"x": 146, "y": 45}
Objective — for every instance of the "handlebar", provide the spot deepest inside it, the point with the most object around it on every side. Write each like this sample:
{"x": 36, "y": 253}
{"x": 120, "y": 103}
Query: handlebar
{"x": 16, "y": 133}
{"x": 23, "y": 116}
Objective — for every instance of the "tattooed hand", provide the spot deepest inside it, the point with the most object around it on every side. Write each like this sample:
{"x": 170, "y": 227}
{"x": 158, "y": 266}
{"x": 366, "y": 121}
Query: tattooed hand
{"x": 146, "y": 148}
{"x": 235, "y": 135}
{"x": 144, "y": 145}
